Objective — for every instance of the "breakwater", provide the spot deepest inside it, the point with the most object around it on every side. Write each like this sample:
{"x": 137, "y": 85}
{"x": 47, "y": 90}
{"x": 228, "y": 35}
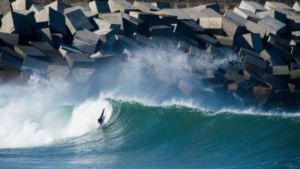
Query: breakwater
{"x": 105, "y": 40}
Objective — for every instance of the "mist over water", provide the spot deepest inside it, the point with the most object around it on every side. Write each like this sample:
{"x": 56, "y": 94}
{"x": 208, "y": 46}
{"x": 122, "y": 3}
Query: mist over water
{"x": 148, "y": 120}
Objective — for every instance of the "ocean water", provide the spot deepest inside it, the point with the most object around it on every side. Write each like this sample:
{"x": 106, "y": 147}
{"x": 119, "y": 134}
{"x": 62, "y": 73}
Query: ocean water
{"x": 149, "y": 123}
{"x": 141, "y": 134}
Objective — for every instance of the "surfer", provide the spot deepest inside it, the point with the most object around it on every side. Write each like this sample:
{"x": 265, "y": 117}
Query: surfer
{"x": 100, "y": 120}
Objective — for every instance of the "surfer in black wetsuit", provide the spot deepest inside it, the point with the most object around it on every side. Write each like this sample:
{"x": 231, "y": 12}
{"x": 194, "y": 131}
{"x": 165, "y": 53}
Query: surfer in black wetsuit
{"x": 100, "y": 120}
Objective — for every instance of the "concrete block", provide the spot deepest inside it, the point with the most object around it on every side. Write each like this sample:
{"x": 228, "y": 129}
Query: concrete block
{"x": 10, "y": 60}
{"x": 295, "y": 42}
{"x": 293, "y": 23}
{"x": 77, "y": 60}
{"x": 121, "y": 6}
{"x": 272, "y": 25}
{"x": 161, "y": 5}
{"x": 54, "y": 57}
{"x": 56, "y": 39}
{"x": 82, "y": 74}
{"x": 255, "y": 28}
{"x": 87, "y": 41}
{"x": 255, "y": 65}
{"x": 278, "y": 14}
{"x": 76, "y": 20}
{"x": 261, "y": 93}
{"x": 243, "y": 52}
{"x": 210, "y": 13}
{"x": 193, "y": 13}
{"x": 144, "y": 40}
{"x": 10, "y": 39}
{"x": 180, "y": 15}
{"x": 14, "y": 22}
{"x": 113, "y": 18}
{"x": 11, "y": 53}
{"x": 247, "y": 14}
{"x": 225, "y": 41}
{"x": 232, "y": 15}
{"x": 8, "y": 76}
{"x": 215, "y": 74}
{"x": 254, "y": 78}
{"x": 285, "y": 55}
{"x": 58, "y": 6}
{"x": 149, "y": 19}
{"x": 295, "y": 51}
{"x": 213, "y": 25}
{"x": 185, "y": 45}
{"x": 294, "y": 66}
{"x": 272, "y": 57}
{"x": 166, "y": 18}
{"x": 269, "y": 4}
{"x": 204, "y": 39}
{"x": 127, "y": 43}
{"x": 295, "y": 74}
{"x": 249, "y": 41}
{"x": 58, "y": 71}
{"x": 100, "y": 24}
{"x": 131, "y": 25}
{"x": 280, "y": 70}
{"x": 42, "y": 45}
{"x": 232, "y": 27}
{"x": 5, "y": 7}
{"x": 87, "y": 13}
{"x": 99, "y": 7}
{"x": 105, "y": 34}
{"x": 33, "y": 66}
{"x": 161, "y": 30}
{"x": 296, "y": 33}
{"x": 22, "y": 4}
{"x": 31, "y": 51}
{"x": 252, "y": 6}
{"x": 44, "y": 35}
{"x": 234, "y": 76}
{"x": 296, "y": 6}
{"x": 276, "y": 40}
{"x": 273, "y": 81}
{"x": 53, "y": 19}
{"x": 189, "y": 29}
{"x": 145, "y": 7}
{"x": 214, "y": 6}
{"x": 36, "y": 8}
{"x": 101, "y": 54}
{"x": 29, "y": 15}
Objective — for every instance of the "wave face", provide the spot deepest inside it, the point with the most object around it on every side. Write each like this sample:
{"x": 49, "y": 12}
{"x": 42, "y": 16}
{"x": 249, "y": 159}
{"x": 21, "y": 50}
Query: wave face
{"x": 136, "y": 134}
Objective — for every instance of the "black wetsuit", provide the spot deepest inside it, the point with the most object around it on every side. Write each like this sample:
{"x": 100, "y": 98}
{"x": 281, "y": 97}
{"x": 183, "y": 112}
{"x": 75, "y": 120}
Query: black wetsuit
{"x": 100, "y": 120}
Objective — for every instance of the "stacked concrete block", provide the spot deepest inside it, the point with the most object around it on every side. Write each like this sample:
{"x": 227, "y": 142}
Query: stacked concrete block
{"x": 36, "y": 8}
{"x": 293, "y": 23}
{"x": 44, "y": 35}
{"x": 11, "y": 52}
{"x": 215, "y": 7}
{"x": 272, "y": 57}
{"x": 252, "y": 6}
{"x": 149, "y": 19}
{"x": 161, "y": 30}
{"x": 5, "y": 7}
{"x": 77, "y": 60}
{"x": 213, "y": 25}
{"x": 286, "y": 55}
{"x": 9, "y": 39}
{"x": 58, "y": 6}
{"x": 29, "y": 16}
{"x": 145, "y": 7}
{"x": 255, "y": 28}
{"x": 255, "y": 65}
{"x": 232, "y": 15}
{"x": 276, "y": 13}
{"x": 189, "y": 29}
{"x": 144, "y": 40}
{"x": 34, "y": 66}
{"x": 210, "y": 13}
{"x": 22, "y": 4}
{"x": 88, "y": 14}
{"x": 14, "y": 22}
{"x": 296, "y": 6}
{"x": 99, "y": 7}
{"x": 166, "y": 18}
{"x": 205, "y": 40}
{"x": 161, "y": 5}
{"x": 193, "y": 13}
{"x": 280, "y": 5}
{"x": 247, "y": 14}
{"x": 112, "y": 19}
{"x": 100, "y": 24}
{"x": 76, "y": 20}
{"x": 87, "y": 41}
{"x": 105, "y": 34}
{"x": 121, "y": 6}
{"x": 249, "y": 41}
{"x": 53, "y": 19}
{"x": 8, "y": 59}
{"x": 272, "y": 25}
{"x": 232, "y": 27}
{"x": 276, "y": 40}
{"x": 30, "y": 51}
{"x": 180, "y": 15}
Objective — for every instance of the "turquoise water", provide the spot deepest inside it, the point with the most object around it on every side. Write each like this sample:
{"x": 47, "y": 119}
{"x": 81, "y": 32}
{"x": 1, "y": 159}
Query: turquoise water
{"x": 139, "y": 135}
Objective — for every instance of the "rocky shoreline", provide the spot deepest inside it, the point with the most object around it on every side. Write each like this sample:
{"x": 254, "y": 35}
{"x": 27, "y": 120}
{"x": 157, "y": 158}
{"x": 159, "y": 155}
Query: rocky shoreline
{"x": 59, "y": 41}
